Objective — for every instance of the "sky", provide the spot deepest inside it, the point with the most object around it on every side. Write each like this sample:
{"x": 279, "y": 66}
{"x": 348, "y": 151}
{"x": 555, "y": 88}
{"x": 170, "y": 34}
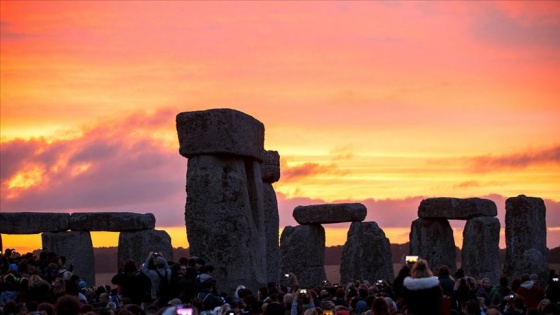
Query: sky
{"x": 385, "y": 103}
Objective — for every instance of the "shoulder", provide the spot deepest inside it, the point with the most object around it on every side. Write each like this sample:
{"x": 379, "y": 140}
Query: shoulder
{"x": 414, "y": 284}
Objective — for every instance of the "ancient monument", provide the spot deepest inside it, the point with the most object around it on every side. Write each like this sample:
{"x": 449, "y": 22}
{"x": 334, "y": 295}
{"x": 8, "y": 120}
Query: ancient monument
{"x": 431, "y": 236}
{"x": 69, "y": 235}
{"x": 231, "y": 216}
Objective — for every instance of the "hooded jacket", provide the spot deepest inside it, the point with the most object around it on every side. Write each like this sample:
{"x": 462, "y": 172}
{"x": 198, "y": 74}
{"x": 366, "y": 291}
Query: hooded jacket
{"x": 531, "y": 292}
{"x": 422, "y": 295}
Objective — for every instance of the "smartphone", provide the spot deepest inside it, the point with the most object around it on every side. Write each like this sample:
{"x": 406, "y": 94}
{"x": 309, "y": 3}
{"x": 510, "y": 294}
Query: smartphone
{"x": 287, "y": 275}
{"x": 183, "y": 310}
{"x": 411, "y": 259}
{"x": 303, "y": 291}
{"x": 328, "y": 312}
{"x": 555, "y": 279}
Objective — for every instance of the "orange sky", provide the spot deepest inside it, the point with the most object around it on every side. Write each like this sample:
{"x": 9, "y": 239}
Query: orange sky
{"x": 384, "y": 103}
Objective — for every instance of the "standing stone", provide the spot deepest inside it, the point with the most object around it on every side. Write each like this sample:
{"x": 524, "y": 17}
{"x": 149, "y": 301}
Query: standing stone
{"x": 270, "y": 170}
{"x": 302, "y": 251}
{"x": 136, "y": 245}
{"x": 480, "y": 251}
{"x": 366, "y": 254}
{"x": 330, "y": 213}
{"x": 532, "y": 261}
{"x": 1, "y": 248}
{"x": 33, "y": 222}
{"x": 77, "y": 247}
{"x": 225, "y": 223}
{"x": 111, "y": 221}
{"x": 224, "y": 212}
{"x": 525, "y": 229}
{"x": 432, "y": 239}
{"x": 456, "y": 208}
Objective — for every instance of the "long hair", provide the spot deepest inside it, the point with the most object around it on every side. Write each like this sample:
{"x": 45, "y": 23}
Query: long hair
{"x": 421, "y": 269}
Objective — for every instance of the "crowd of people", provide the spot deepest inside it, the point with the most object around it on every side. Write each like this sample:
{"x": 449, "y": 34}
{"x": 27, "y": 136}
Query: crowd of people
{"x": 45, "y": 285}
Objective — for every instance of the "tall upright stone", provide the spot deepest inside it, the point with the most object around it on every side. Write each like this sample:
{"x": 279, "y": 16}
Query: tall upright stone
{"x": 77, "y": 247}
{"x": 224, "y": 212}
{"x": 136, "y": 245}
{"x": 480, "y": 251}
{"x": 432, "y": 239}
{"x": 525, "y": 229}
{"x": 270, "y": 170}
{"x": 366, "y": 254}
{"x": 302, "y": 251}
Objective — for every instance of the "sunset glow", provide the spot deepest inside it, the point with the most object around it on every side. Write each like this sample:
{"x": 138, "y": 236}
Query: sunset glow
{"x": 380, "y": 102}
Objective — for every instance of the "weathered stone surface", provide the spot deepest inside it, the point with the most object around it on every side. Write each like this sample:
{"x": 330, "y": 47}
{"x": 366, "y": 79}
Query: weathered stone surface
{"x": 455, "y": 208}
{"x": 366, "y": 254}
{"x": 33, "y": 222}
{"x": 330, "y": 213}
{"x": 432, "y": 239}
{"x": 525, "y": 229}
{"x": 533, "y": 261}
{"x": 136, "y": 245}
{"x": 480, "y": 251}
{"x": 111, "y": 221}
{"x": 220, "y": 131}
{"x": 270, "y": 167}
{"x": 225, "y": 218}
{"x": 77, "y": 247}
{"x": 302, "y": 251}
{"x": 272, "y": 223}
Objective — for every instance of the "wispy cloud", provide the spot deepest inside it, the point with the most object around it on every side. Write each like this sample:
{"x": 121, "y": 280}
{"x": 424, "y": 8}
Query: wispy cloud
{"x": 516, "y": 160}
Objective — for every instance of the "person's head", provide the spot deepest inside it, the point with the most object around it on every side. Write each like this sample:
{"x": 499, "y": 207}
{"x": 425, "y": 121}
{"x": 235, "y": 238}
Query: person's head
{"x": 518, "y": 302}
{"x": 130, "y": 266}
{"x": 379, "y": 306}
{"x": 486, "y": 283}
{"x": 493, "y": 310}
{"x": 45, "y": 308}
{"x": 420, "y": 269}
{"x": 443, "y": 271}
{"x": 288, "y": 299}
{"x": 67, "y": 305}
{"x": 503, "y": 281}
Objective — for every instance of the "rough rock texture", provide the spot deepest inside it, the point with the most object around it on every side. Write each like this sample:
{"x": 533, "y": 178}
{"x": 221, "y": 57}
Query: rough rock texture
{"x": 224, "y": 215}
{"x": 33, "y": 222}
{"x": 525, "y": 229}
{"x": 455, "y": 208}
{"x": 330, "y": 213}
{"x": 220, "y": 131}
{"x": 136, "y": 245}
{"x": 532, "y": 261}
{"x": 366, "y": 254}
{"x": 480, "y": 251}
{"x": 270, "y": 167}
{"x": 77, "y": 247}
{"x": 111, "y": 221}
{"x": 302, "y": 251}
{"x": 432, "y": 239}
{"x": 271, "y": 224}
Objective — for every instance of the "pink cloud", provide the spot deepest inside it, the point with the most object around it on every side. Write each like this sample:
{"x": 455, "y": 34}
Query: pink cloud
{"x": 517, "y": 160}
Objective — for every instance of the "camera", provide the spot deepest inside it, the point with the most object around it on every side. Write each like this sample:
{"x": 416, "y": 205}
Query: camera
{"x": 303, "y": 291}
{"x": 411, "y": 259}
{"x": 182, "y": 310}
{"x": 156, "y": 254}
{"x": 287, "y": 275}
{"x": 555, "y": 279}
{"x": 328, "y": 312}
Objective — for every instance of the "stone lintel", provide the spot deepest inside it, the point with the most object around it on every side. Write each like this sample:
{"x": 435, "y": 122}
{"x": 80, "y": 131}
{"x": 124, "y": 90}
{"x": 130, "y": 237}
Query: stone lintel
{"x": 330, "y": 213}
{"x": 111, "y": 221}
{"x": 33, "y": 222}
{"x": 456, "y": 208}
{"x": 220, "y": 131}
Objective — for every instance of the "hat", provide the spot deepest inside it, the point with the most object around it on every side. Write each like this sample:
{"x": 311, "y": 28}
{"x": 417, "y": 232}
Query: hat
{"x": 111, "y": 305}
{"x": 175, "y": 302}
{"x": 14, "y": 267}
{"x": 82, "y": 284}
{"x": 204, "y": 277}
{"x": 161, "y": 261}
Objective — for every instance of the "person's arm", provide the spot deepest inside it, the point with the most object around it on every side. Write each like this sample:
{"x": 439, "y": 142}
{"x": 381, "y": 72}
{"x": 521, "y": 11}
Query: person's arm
{"x": 145, "y": 266}
{"x": 294, "y": 310}
{"x": 294, "y": 282}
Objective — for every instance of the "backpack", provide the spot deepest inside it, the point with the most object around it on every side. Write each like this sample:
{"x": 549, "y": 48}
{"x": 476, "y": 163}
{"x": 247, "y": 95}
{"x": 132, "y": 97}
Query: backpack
{"x": 164, "y": 291}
